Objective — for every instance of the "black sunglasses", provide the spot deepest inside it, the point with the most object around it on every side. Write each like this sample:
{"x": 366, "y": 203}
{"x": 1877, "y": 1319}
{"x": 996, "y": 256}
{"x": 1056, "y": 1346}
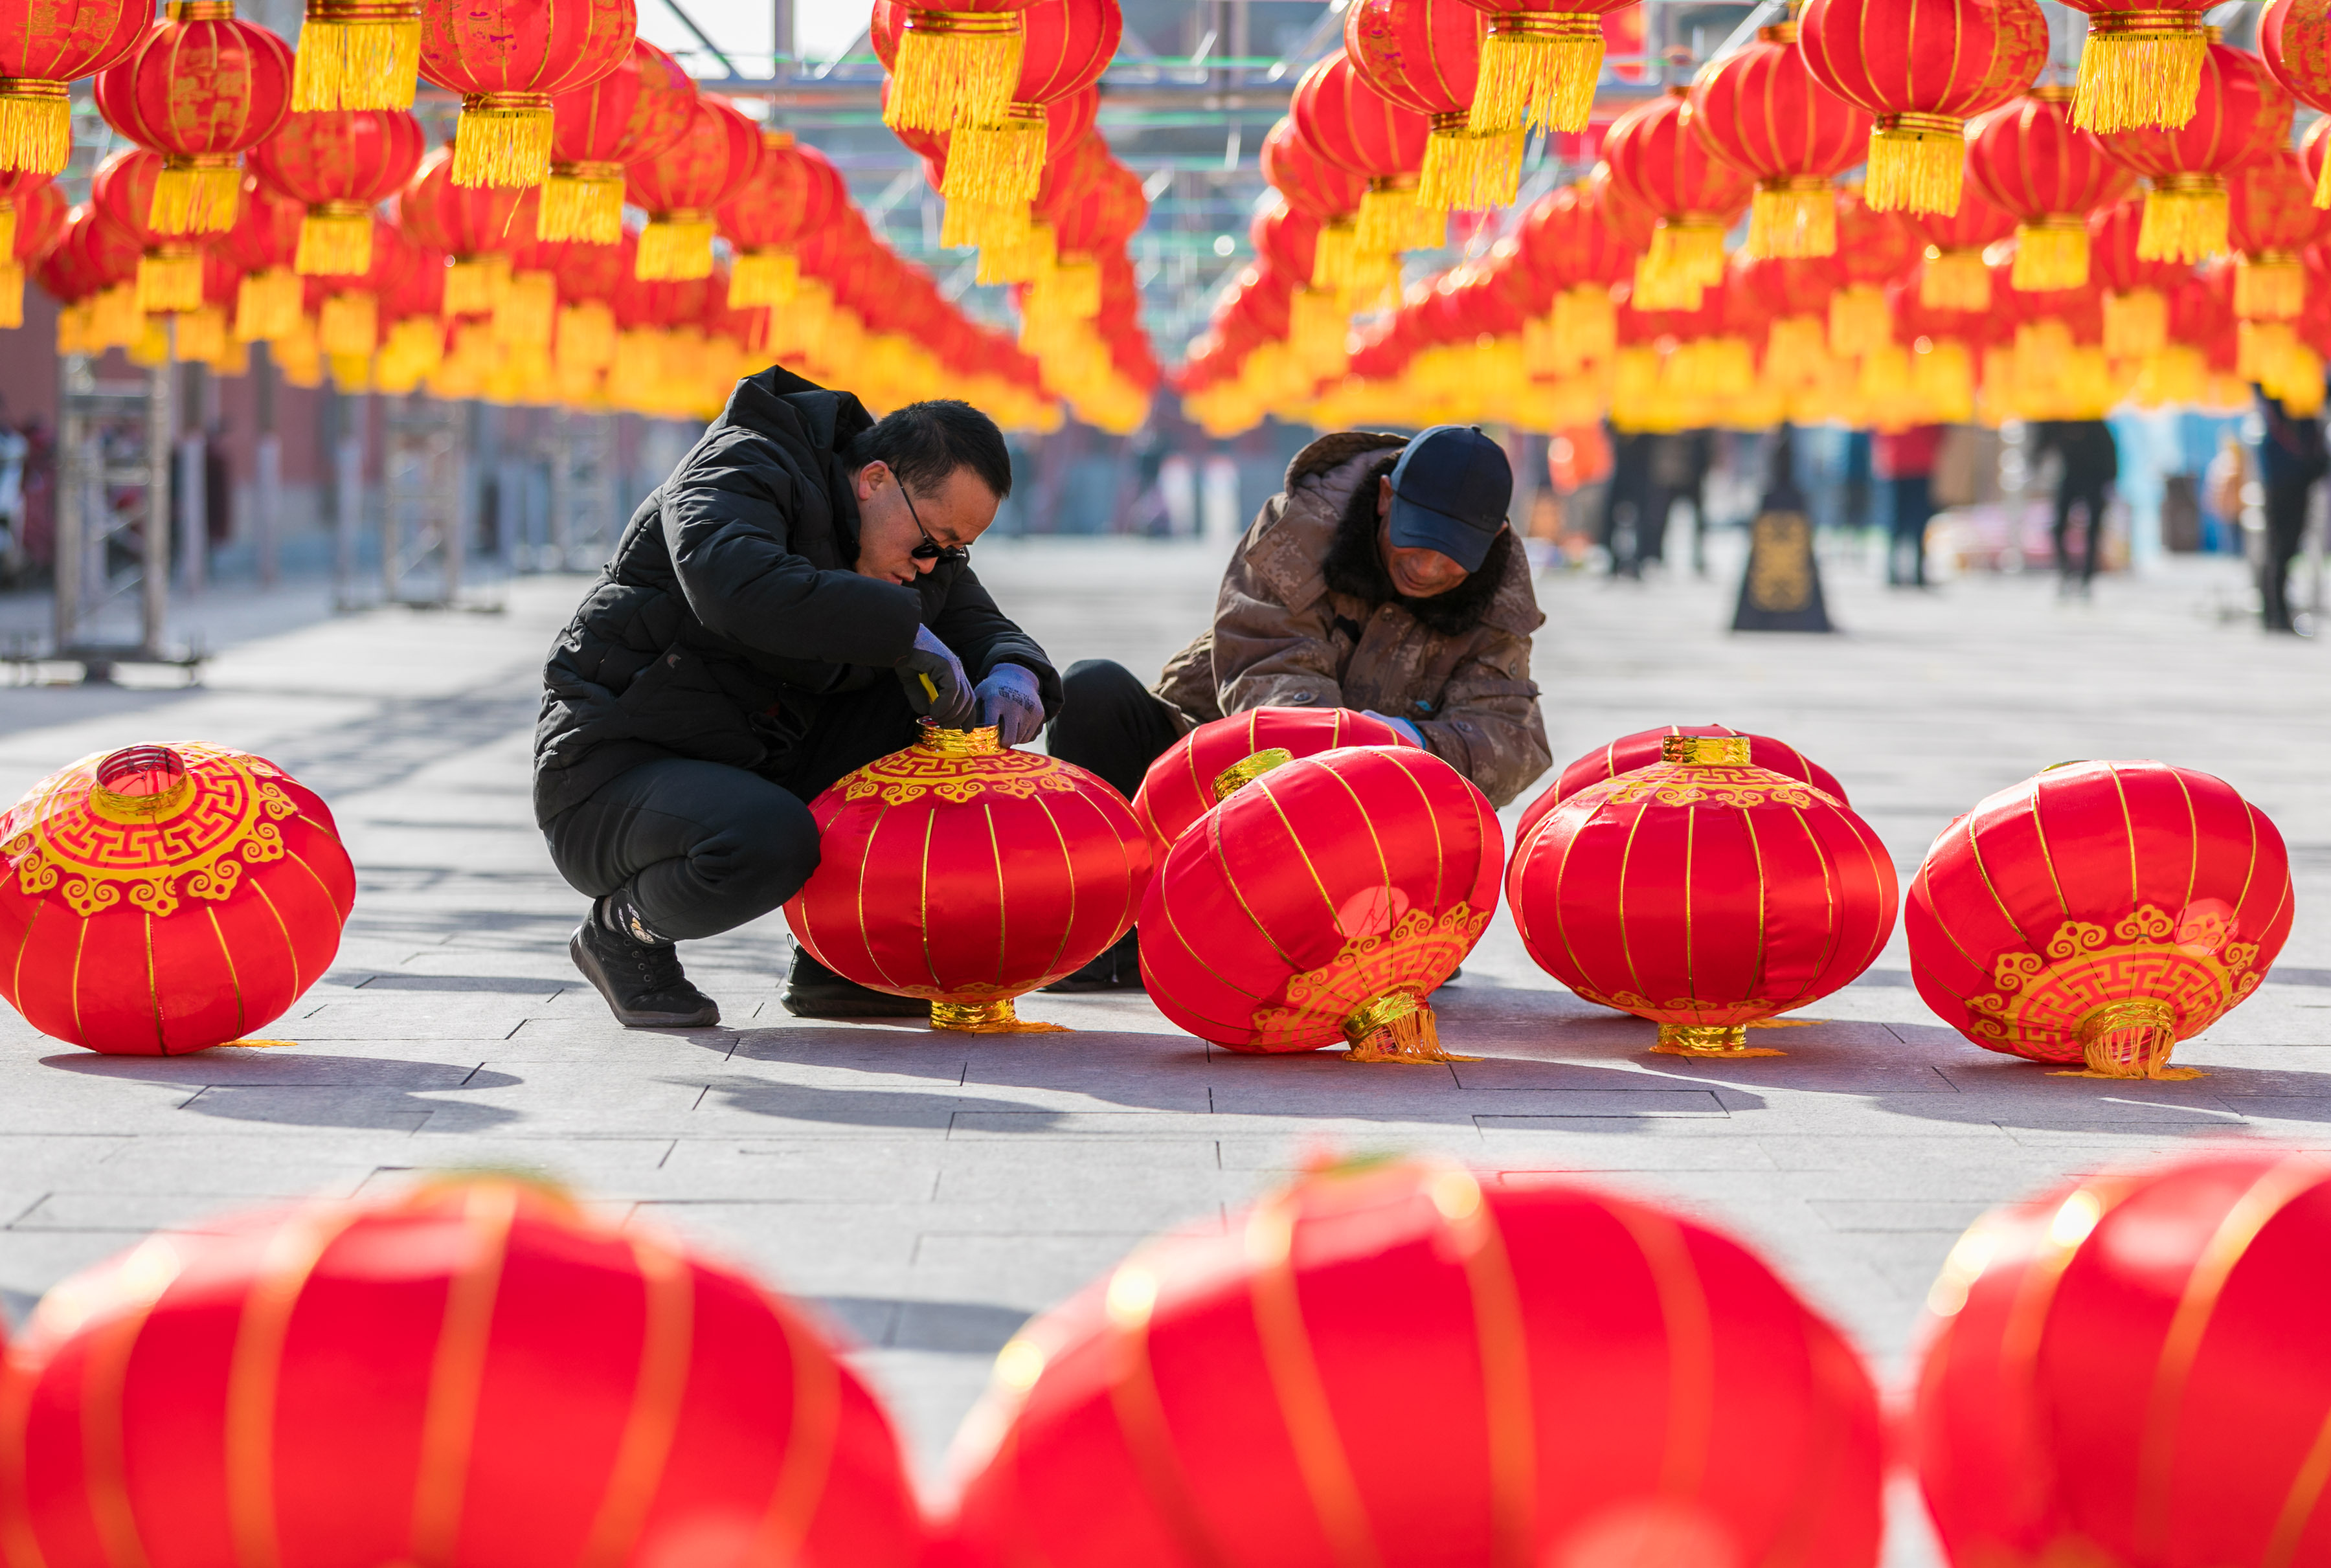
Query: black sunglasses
{"x": 930, "y": 550}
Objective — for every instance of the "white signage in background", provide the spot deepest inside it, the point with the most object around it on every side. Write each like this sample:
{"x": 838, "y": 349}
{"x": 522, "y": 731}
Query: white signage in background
{"x": 1218, "y": 501}
{"x": 1177, "y": 491}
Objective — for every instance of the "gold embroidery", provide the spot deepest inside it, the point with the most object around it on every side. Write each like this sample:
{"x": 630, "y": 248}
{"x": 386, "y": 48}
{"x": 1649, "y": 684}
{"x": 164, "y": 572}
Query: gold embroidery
{"x": 1414, "y": 956}
{"x": 2121, "y": 1005}
{"x": 957, "y": 766}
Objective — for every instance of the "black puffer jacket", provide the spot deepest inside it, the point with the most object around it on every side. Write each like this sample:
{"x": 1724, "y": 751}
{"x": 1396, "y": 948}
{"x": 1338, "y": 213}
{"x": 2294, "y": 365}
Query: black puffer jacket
{"x": 729, "y": 615}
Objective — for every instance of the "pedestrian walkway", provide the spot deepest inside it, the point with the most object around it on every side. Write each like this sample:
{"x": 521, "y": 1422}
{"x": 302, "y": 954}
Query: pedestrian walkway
{"x": 929, "y": 1191}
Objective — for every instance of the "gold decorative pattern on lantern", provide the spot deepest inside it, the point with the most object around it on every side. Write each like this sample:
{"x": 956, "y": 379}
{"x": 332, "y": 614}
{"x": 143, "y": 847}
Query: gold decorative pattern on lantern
{"x": 929, "y": 767}
{"x": 1355, "y": 984}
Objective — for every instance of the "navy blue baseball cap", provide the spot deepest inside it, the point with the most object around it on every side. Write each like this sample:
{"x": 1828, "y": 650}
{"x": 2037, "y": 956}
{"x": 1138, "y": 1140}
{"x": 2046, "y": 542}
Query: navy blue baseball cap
{"x": 1449, "y": 491}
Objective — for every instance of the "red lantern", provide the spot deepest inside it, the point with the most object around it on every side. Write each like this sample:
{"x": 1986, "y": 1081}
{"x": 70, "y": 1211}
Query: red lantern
{"x": 44, "y": 45}
{"x": 2140, "y": 65}
{"x": 1704, "y": 893}
{"x": 1323, "y": 902}
{"x": 2240, "y": 115}
{"x": 200, "y": 87}
{"x": 1540, "y": 63}
{"x": 2136, "y": 299}
{"x": 339, "y": 165}
{"x": 1401, "y": 1362}
{"x": 966, "y": 875}
{"x": 1643, "y": 748}
{"x": 347, "y": 306}
{"x": 1954, "y": 277}
{"x": 679, "y": 187}
{"x": 473, "y": 1371}
{"x": 32, "y": 223}
{"x": 1425, "y": 55}
{"x": 1659, "y": 159}
{"x": 628, "y": 115}
{"x": 2100, "y": 912}
{"x": 169, "y": 266}
{"x": 509, "y": 60}
{"x": 794, "y": 193}
{"x": 165, "y": 899}
{"x": 1350, "y": 124}
{"x": 263, "y": 243}
{"x": 1759, "y": 109}
{"x": 1923, "y": 69}
{"x": 2295, "y": 40}
{"x": 2030, "y": 158}
{"x": 2131, "y": 1368}
{"x": 2271, "y": 218}
{"x": 1333, "y": 195}
{"x": 1207, "y": 766}
{"x": 479, "y": 226}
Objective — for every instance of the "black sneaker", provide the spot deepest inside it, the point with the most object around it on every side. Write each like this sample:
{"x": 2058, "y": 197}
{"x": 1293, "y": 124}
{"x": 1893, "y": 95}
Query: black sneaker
{"x": 1119, "y": 968}
{"x": 642, "y": 982}
{"x": 814, "y": 991}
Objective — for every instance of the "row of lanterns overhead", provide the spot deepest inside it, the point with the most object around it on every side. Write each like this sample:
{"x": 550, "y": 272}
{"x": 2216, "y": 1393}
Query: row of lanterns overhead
{"x": 1870, "y": 303}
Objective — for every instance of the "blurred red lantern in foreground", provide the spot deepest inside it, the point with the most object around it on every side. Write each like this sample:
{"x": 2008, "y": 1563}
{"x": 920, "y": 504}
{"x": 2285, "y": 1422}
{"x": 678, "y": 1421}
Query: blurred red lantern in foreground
{"x": 44, "y": 47}
{"x": 967, "y": 874}
{"x": 200, "y": 88}
{"x": 1425, "y": 55}
{"x": 163, "y": 899}
{"x": 2133, "y": 1369}
{"x": 1403, "y": 1364}
{"x": 1347, "y": 121}
{"x": 2295, "y": 41}
{"x": 2030, "y": 158}
{"x": 471, "y": 1371}
{"x": 1324, "y": 901}
{"x": 1659, "y": 159}
{"x": 2270, "y": 219}
{"x": 2100, "y": 912}
{"x": 1704, "y": 893}
{"x": 1209, "y": 764}
{"x": 1643, "y": 748}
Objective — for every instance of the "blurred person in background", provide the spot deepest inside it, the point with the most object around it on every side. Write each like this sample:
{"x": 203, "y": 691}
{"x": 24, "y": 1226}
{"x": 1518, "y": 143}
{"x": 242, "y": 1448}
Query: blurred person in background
{"x": 2091, "y": 463}
{"x": 1634, "y": 507}
{"x": 1904, "y": 462}
{"x": 2290, "y": 460}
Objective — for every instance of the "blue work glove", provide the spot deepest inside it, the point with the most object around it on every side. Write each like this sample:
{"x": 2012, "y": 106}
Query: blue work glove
{"x": 935, "y": 684}
{"x": 1009, "y": 700}
{"x": 1408, "y": 731}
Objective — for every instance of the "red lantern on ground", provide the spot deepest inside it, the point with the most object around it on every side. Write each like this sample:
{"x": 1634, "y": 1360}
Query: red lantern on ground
{"x": 2029, "y": 157}
{"x": 2099, "y": 912}
{"x": 2130, "y": 1366}
{"x": 1643, "y": 748}
{"x": 679, "y": 187}
{"x": 1022, "y": 870}
{"x": 2271, "y": 218}
{"x": 339, "y": 165}
{"x": 509, "y": 60}
{"x": 1539, "y": 63}
{"x": 166, "y": 900}
{"x": 1210, "y": 763}
{"x": 1923, "y": 71}
{"x": 1425, "y": 55}
{"x": 628, "y": 115}
{"x": 2240, "y": 115}
{"x": 516, "y": 1377}
{"x": 43, "y": 46}
{"x": 2140, "y": 65}
{"x": 1954, "y": 277}
{"x": 200, "y": 88}
{"x": 1350, "y": 124}
{"x": 1704, "y": 893}
{"x": 1324, "y": 902}
{"x": 1401, "y": 1362}
{"x": 1759, "y": 109}
{"x": 1658, "y": 158}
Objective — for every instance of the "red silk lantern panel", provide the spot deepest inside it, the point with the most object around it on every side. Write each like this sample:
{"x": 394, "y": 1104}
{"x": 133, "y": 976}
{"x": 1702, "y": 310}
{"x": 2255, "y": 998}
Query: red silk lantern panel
{"x": 163, "y": 899}
{"x": 339, "y": 164}
{"x": 966, "y": 875}
{"x": 1704, "y": 893}
{"x": 1643, "y": 748}
{"x": 1210, "y": 763}
{"x": 1405, "y": 1364}
{"x": 2241, "y": 114}
{"x": 1658, "y": 158}
{"x": 2295, "y": 41}
{"x": 1923, "y": 69}
{"x": 200, "y": 87}
{"x": 628, "y": 115}
{"x": 2099, "y": 912}
{"x": 679, "y": 187}
{"x": 794, "y": 193}
{"x": 31, "y": 225}
{"x": 2140, "y": 64}
{"x": 1331, "y": 194}
{"x": 509, "y": 60}
{"x": 1540, "y": 63}
{"x": 1347, "y": 121}
{"x": 481, "y": 227}
{"x": 2132, "y": 1369}
{"x": 1425, "y": 55}
{"x": 2271, "y": 218}
{"x": 2029, "y": 157}
{"x": 474, "y": 1371}
{"x": 1323, "y": 902}
{"x": 44, "y": 45}
{"x": 263, "y": 243}
{"x": 1759, "y": 109}
{"x": 1955, "y": 278}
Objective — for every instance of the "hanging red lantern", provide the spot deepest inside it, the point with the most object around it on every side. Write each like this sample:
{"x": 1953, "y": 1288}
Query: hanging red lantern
{"x": 2100, "y": 912}
{"x": 1323, "y": 903}
{"x": 1024, "y": 869}
{"x": 1954, "y": 277}
{"x": 32, "y": 223}
{"x": 166, "y": 900}
{"x": 679, "y": 187}
{"x": 1874, "y": 250}
{"x": 45, "y": 44}
{"x": 1333, "y": 195}
{"x": 1643, "y": 748}
{"x": 265, "y": 241}
{"x": 1759, "y": 109}
{"x": 2271, "y": 218}
{"x": 1565, "y": 240}
{"x": 628, "y": 115}
{"x": 1923, "y": 71}
{"x": 2030, "y": 158}
{"x": 1658, "y": 157}
{"x": 2140, "y": 65}
{"x": 1425, "y": 55}
{"x": 1539, "y": 63}
{"x": 200, "y": 87}
{"x": 518, "y": 1378}
{"x": 509, "y": 60}
{"x": 793, "y": 193}
{"x": 2295, "y": 41}
{"x": 1351, "y": 125}
{"x": 1704, "y": 893}
{"x": 1211, "y": 762}
{"x": 339, "y": 165}
{"x": 2240, "y": 114}
{"x": 347, "y": 306}
{"x": 169, "y": 266}
{"x": 2129, "y": 1367}
{"x": 2135, "y": 291}
{"x": 476, "y": 226}
{"x": 1400, "y": 1362}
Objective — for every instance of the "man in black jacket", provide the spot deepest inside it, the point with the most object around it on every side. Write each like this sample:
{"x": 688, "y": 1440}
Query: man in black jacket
{"x": 779, "y": 612}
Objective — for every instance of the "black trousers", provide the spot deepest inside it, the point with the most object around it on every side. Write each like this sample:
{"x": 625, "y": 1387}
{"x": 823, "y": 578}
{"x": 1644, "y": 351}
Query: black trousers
{"x": 2286, "y": 525}
{"x": 2090, "y": 499}
{"x": 702, "y": 847}
{"x": 1110, "y": 724}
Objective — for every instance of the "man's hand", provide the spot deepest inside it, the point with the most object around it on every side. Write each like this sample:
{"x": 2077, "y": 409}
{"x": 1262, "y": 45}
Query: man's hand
{"x": 1408, "y": 731}
{"x": 935, "y": 684}
{"x": 1009, "y": 700}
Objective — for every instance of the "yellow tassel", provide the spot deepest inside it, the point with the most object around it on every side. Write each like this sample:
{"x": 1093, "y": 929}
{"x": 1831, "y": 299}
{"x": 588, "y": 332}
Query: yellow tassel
{"x": 8, "y": 230}
{"x": 1796, "y": 350}
{"x": 1942, "y": 375}
{"x": 502, "y": 139}
{"x": 2138, "y": 69}
{"x": 299, "y": 356}
{"x": 1069, "y": 289}
{"x": 1688, "y": 250}
{"x": 2050, "y": 255}
{"x": 997, "y": 166}
{"x": 954, "y": 67}
{"x": 335, "y": 241}
{"x": 1585, "y": 326}
{"x": 114, "y": 319}
{"x": 169, "y": 279}
{"x": 1331, "y": 254}
{"x": 1392, "y": 219}
{"x": 1471, "y": 170}
{"x": 526, "y": 310}
{"x": 349, "y": 325}
{"x": 582, "y": 202}
{"x": 35, "y": 125}
{"x": 586, "y": 336}
{"x": 2184, "y": 220}
{"x": 2271, "y": 286}
{"x": 201, "y": 334}
{"x": 196, "y": 195}
{"x": 1663, "y": 290}
{"x": 2323, "y": 185}
{"x": 1795, "y": 217}
{"x": 352, "y": 372}
{"x": 357, "y": 54}
{"x": 474, "y": 285}
{"x": 676, "y": 245}
{"x": 1885, "y": 373}
{"x": 964, "y": 223}
{"x": 151, "y": 346}
{"x": 73, "y": 328}
{"x": 267, "y": 306}
{"x": 12, "y": 294}
{"x": 1316, "y": 329}
{"x": 1914, "y": 164}
{"x": 761, "y": 278}
{"x": 1859, "y": 321}
{"x": 2136, "y": 323}
{"x": 1537, "y": 69}
{"x": 2301, "y": 390}
{"x": 1955, "y": 281}
{"x": 1020, "y": 258}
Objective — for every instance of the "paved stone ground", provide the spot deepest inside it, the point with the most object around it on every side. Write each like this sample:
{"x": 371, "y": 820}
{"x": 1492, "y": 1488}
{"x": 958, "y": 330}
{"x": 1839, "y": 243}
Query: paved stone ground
{"x": 931, "y": 1191}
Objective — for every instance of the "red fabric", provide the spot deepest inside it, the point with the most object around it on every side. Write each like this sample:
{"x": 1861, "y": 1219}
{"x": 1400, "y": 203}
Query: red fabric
{"x": 340, "y": 155}
{"x": 2241, "y": 114}
{"x": 524, "y": 46}
{"x": 1906, "y": 453}
{"x": 211, "y": 86}
{"x": 1179, "y": 788}
{"x": 1901, "y": 56}
{"x": 1761, "y": 111}
{"x": 1659, "y": 158}
{"x": 463, "y": 221}
{"x": 1641, "y": 749}
{"x": 634, "y": 111}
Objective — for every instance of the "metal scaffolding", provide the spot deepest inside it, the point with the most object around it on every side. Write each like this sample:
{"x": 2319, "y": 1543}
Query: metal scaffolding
{"x": 115, "y": 450}
{"x": 585, "y": 499}
{"x": 424, "y": 501}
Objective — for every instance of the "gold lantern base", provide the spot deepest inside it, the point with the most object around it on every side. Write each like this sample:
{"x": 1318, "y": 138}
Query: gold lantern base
{"x": 1793, "y": 216}
{"x": 35, "y": 125}
{"x": 997, "y": 1017}
{"x": 1396, "y": 1026}
{"x": 2131, "y": 1039}
{"x": 2184, "y": 220}
{"x": 1727, "y": 1040}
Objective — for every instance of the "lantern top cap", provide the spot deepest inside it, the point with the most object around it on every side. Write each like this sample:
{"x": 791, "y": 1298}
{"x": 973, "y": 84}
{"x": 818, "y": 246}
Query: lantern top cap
{"x": 139, "y": 782}
{"x": 2052, "y": 92}
{"x": 942, "y": 742}
{"x": 1705, "y": 750}
{"x": 1779, "y": 32}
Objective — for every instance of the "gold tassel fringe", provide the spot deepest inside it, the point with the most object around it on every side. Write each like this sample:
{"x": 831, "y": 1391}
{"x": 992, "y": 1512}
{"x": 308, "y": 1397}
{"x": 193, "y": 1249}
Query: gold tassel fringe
{"x": 2136, "y": 324}
{"x": 582, "y": 202}
{"x": 964, "y": 224}
{"x": 201, "y": 334}
{"x": 1943, "y": 377}
{"x": 1796, "y": 350}
{"x": 762, "y": 278}
{"x": 170, "y": 280}
{"x": 502, "y": 139}
{"x": 73, "y": 324}
{"x": 7, "y": 231}
{"x": 1915, "y": 161}
{"x": 1796, "y": 216}
{"x": 1687, "y": 249}
{"x": 2323, "y": 184}
{"x": 1067, "y": 289}
{"x": 351, "y": 372}
{"x": 299, "y": 356}
{"x": 12, "y": 293}
{"x": 356, "y": 56}
{"x": 1332, "y": 254}
{"x": 1859, "y": 321}
{"x": 196, "y": 195}
{"x": 1019, "y": 258}
{"x": 334, "y": 244}
{"x": 1537, "y": 69}
{"x": 1393, "y": 220}
{"x": 1316, "y": 329}
{"x": 348, "y": 326}
{"x": 1955, "y": 281}
{"x": 474, "y": 285}
{"x": 526, "y": 309}
{"x": 35, "y": 125}
{"x": 997, "y": 166}
{"x": 954, "y": 67}
{"x": 267, "y": 306}
{"x": 586, "y": 336}
{"x": 1473, "y": 171}
{"x": 1658, "y": 290}
{"x": 2050, "y": 255}
{"x": 997, "y": 1017}
{"x": 2269, "y": 286}
{"x": 2184, "y": 220}
{"x": 1394, "y": 1027}
{"x": 114, "y": 319}
{"x": 2140, "y": 68}
{"x": 151, "y": 346}
{"x": 677, "y": 245}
